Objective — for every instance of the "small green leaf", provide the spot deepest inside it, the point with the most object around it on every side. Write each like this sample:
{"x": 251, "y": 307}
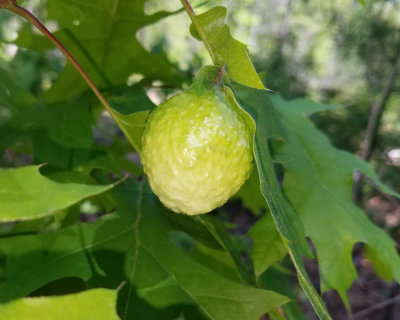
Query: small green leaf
{"x": 25, "y": 194}
{"x": 227, "y": 50}
{"x": 204, "y": 79}
{"x": 130, "y": 110}
{"x": 96, "y": 304}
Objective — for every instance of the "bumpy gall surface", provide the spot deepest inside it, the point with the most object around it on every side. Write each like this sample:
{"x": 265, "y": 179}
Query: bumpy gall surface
{"x": 196, "y": 151}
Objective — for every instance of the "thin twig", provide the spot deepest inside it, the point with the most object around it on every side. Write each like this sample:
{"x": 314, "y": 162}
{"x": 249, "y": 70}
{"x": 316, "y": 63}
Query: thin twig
{"x": 219, "y": 77}
{"x": 361, "y": 314}
{"x": 372, "y": 127}
{"x": 199, "y": 29}
{"x": 376, "y": 110}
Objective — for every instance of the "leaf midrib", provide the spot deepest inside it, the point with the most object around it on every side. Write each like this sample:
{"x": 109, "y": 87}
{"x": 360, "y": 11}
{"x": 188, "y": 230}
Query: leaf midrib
{"x": 85, "y": 248}
{"x": 107, "y": 38}
{"x": 137, "y": 246}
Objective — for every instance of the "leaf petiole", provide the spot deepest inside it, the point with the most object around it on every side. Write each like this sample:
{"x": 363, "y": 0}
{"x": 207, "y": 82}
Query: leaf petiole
{"x": 200, "y": 31}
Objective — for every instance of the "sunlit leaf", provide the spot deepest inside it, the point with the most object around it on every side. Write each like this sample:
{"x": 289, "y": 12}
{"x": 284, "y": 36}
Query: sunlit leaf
{"x": 227, "y": 50}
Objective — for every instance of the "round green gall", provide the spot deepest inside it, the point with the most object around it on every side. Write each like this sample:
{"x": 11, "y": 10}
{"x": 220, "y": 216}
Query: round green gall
{"x": 197, "y": 151}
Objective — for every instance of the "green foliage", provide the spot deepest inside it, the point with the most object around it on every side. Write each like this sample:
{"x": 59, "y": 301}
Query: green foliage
{"x": 165, "y": 265}
{"x": 323, "y": 200}
{"x": 139, "y": 244}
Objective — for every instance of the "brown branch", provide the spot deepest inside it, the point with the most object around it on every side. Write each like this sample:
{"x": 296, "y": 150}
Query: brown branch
{"x": 376, "y": 112}
{"x": 361, "y": 314}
